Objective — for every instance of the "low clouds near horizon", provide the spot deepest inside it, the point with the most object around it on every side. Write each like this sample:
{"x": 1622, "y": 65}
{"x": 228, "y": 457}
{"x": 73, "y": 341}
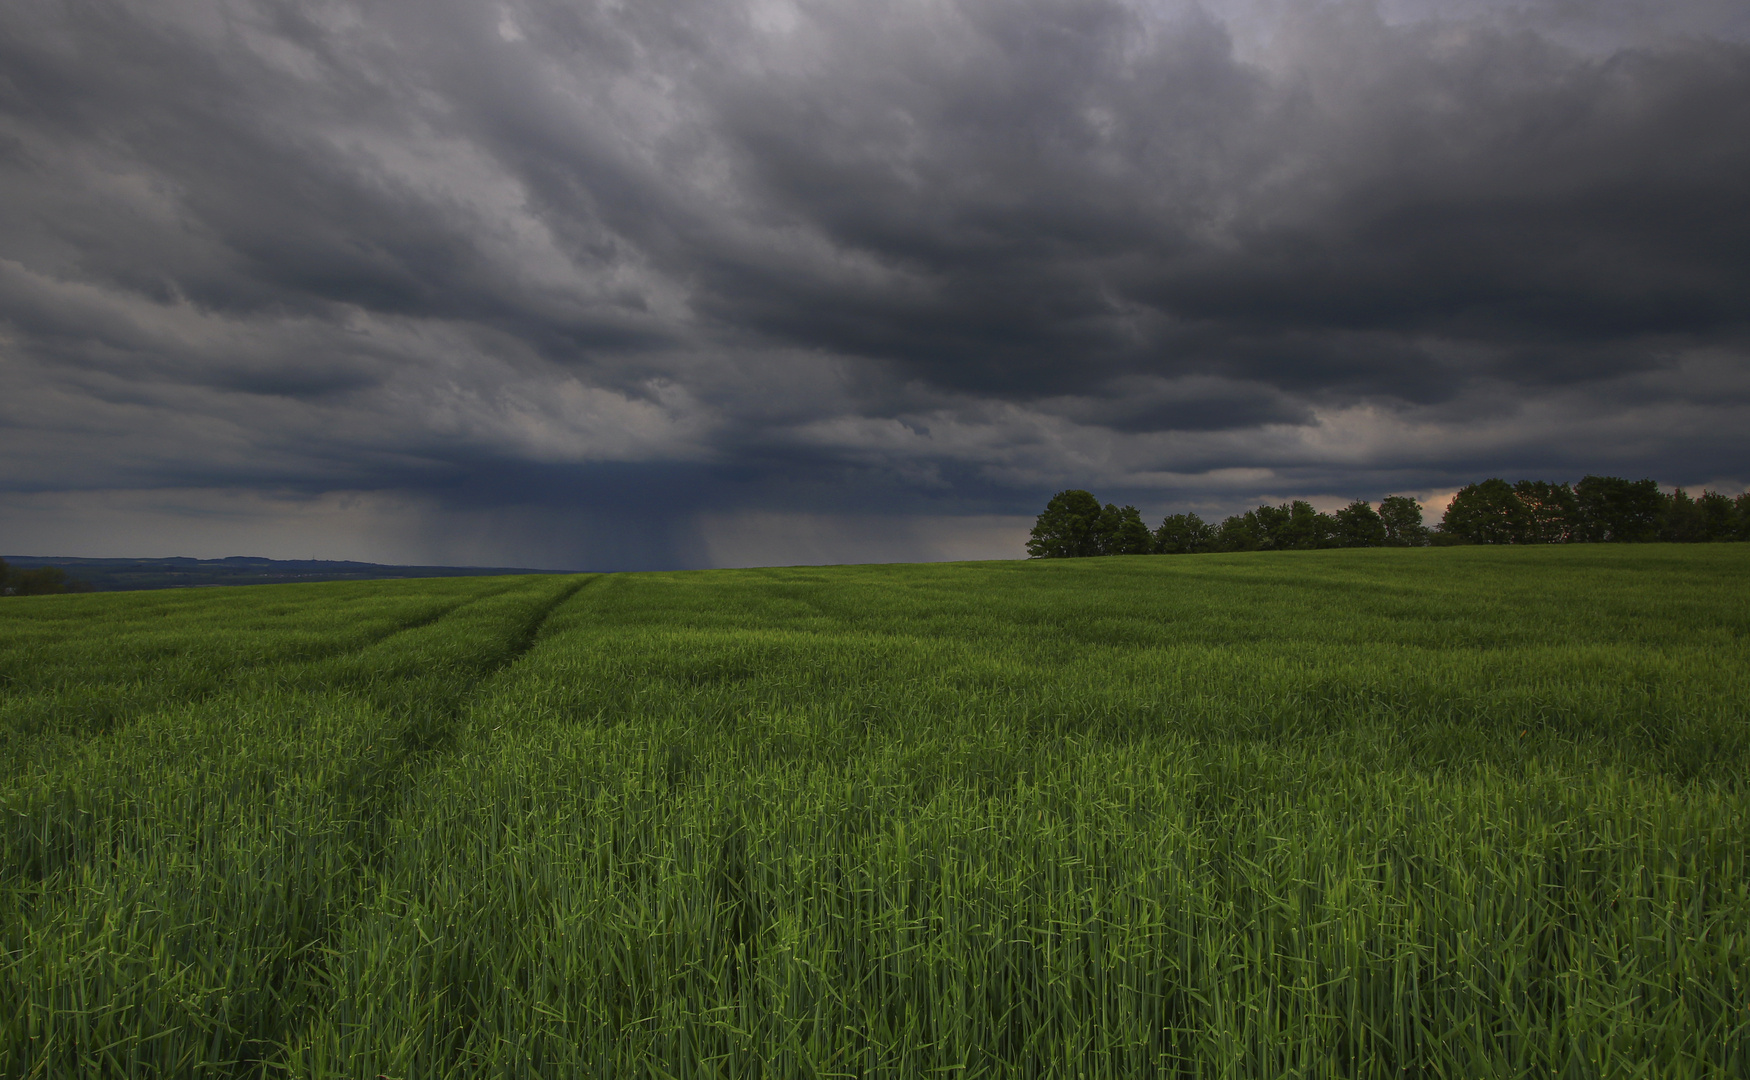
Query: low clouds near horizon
{"x": 627, "y": 285}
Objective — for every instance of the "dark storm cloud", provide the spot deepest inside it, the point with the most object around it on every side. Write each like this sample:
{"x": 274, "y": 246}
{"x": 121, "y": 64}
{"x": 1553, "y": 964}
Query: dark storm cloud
{"x": 925, "y": 258}
{"x": 1046, "y": 196}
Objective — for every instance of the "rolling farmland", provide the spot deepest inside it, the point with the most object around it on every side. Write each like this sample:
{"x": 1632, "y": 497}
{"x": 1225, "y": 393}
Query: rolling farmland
{"x": 1436, "y": 812}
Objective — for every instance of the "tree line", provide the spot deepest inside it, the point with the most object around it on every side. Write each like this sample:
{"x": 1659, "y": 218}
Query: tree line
{"x": 1598, "y": 509}
{"x": 38, "y": 581}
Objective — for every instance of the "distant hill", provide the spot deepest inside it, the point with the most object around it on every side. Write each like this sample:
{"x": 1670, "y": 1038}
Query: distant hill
{"x": 118, "y": 575}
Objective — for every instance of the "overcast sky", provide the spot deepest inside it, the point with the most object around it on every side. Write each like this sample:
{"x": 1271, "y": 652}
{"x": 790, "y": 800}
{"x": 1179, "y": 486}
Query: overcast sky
{"x": 665, "y": 283}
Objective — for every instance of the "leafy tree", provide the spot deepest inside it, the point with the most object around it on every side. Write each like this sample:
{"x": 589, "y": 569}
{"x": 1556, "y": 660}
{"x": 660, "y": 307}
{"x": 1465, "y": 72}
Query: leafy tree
{"x": 1270, "y": 525}
{"x": 1487, "y": 513}
{"x": 1554, "y": 513}
{"x": 1239, "y": 533}
{"x": 1307, "y": 528}
{"x": 1598, "y": 508}
{"x": 1184, "y": 534}
{"x": 1120, "y": 531}
{"x": 1614, "y": 510}
{"x": 5, "y": 579}
{"x": 1685, "y": 520}
{"x": 1292, "y": 526}
{"x": 1067, "y": 528}
{"x": 1357, "y": 525}
{"x": 1742, "y": 503}
{"x": 1402, "y": 518}
{"x": 1718, "y": 516}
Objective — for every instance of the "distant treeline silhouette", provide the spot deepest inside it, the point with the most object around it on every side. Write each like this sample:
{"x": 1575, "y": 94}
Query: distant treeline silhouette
{"x": 40, "y": 581}
{"x": 1598, "y": 509}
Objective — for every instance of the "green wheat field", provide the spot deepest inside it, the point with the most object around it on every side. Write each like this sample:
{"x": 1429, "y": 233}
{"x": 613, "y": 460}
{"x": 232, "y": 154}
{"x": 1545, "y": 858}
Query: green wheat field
{"x": 1458, "y": 812}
